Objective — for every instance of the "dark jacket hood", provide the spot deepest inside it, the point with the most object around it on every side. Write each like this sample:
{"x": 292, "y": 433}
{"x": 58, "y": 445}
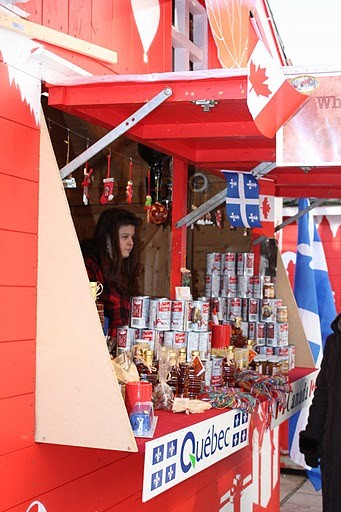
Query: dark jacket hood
{"x": 334, "y": 323}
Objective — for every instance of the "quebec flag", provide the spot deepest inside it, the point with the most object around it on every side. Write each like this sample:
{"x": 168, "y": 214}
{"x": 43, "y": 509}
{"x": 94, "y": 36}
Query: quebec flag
{"x": 242, "y": 200}
{"x": 316, "y": 308}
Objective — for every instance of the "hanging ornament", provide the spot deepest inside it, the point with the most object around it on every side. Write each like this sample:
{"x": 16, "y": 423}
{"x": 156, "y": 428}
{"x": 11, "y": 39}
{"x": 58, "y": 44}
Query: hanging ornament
{"x": 129, "y": 187}
{"x": 86, "y": 183}
{"x": 108, "y": 183}
{"x": 158, "y": 212}
{"x": 148, "y": 201}
{"x": 219, "y": 218}
{"x": 69, "y": 181}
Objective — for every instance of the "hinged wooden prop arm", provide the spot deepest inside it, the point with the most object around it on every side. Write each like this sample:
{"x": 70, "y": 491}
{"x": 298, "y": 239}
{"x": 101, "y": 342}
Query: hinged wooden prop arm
{"x": 116, "y": 132}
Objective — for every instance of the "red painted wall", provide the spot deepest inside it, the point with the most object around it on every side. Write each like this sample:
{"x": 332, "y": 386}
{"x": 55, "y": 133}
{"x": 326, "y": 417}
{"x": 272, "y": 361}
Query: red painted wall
{"x": 111, "y": 24}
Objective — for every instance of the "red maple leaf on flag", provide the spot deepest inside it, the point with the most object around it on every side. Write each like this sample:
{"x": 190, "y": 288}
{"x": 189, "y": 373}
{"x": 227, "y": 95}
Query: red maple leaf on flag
{"x": 266, "y": 207}
{"x": 257, "y": 78}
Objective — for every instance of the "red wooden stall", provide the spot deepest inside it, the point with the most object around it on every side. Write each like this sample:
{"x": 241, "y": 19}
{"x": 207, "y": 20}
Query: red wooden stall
{"x": 55, "y": 473}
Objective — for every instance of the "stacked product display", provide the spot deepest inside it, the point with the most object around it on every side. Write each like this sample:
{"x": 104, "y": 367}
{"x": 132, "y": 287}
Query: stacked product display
{"x": 187, "y": 347}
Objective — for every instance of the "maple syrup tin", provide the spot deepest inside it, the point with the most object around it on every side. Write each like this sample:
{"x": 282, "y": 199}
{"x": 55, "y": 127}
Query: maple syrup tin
{"x": 192, "y": 343}
{"x": 245, "y": 263}
{"x": 160, "y": 314}
{"x": 200, "y": 315}
{"x": 282, "y": 333}
{"x": 217, "y": 370}
{"x": 219, "y": 304}
{"x": 256, "y": 287}
{"x": 244, "y": 288}
{"x": 228, "y": 286}
{"x": 228, "y": 263}
{"x": 260, "y": 333}
{"x": 125, "y": 337}
{"x": 213, "y": 263}
{"x": 205, "y": 341}
{"x": 179, "y": 311}
{"x": 139, "y": 315}
{"x": 253, "y": 312}
{"x": 212, "y": 285}
{"x": 271, "y": 334}
{"x": 234, "y": 308}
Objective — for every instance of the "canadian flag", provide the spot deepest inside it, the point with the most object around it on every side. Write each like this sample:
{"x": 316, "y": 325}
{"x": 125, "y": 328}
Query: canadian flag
{"x": 271, "y": 99}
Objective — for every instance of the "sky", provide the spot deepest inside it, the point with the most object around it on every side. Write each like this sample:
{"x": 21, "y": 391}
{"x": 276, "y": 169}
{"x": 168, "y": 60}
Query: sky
{"x": 310, "y": 30}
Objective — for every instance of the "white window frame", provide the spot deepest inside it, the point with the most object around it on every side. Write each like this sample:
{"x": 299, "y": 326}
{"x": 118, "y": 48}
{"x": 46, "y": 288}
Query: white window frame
{"x": 185, "y": 50}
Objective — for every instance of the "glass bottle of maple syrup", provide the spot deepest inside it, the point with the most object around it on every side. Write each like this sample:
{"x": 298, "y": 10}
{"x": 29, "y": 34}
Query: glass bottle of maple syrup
{"x": 149, "y": 371}
{"x": 173, "y": 372}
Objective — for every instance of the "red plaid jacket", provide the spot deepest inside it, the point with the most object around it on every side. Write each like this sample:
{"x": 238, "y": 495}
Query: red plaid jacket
{"x": 116, "y": 306}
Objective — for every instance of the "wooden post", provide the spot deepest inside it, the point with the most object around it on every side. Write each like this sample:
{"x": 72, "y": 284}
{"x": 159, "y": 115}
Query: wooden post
{"x": 178, "y": 235}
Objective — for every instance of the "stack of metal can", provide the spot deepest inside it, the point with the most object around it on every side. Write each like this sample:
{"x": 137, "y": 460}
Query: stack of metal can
{"x": 172, "y": 323}
{"x": 236, "y": 291}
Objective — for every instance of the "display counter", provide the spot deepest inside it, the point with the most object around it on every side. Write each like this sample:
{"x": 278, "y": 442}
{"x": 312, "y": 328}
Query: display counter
{"x": 222, "y": 459}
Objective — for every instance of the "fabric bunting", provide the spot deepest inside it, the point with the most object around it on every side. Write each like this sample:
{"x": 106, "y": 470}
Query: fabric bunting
{"x": 242, "y": 200}
{"x": 316, "y": 307}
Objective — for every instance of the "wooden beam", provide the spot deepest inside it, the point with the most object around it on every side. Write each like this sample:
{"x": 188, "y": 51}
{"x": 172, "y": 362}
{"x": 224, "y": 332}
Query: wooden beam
{"x": 56, "y": 38}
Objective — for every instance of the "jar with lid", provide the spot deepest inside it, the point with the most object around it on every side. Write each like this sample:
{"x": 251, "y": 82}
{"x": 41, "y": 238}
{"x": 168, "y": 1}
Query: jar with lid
{"x": 284, "y": 365}
{"x": 282, "y": 314}
{"x": 274, "y": 366}
{"x": 269, "y": 291}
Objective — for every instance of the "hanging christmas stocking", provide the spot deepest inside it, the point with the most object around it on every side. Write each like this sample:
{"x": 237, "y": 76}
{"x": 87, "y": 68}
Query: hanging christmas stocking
{"x": 107, "y": 194}
{"x": 108, "y": 183}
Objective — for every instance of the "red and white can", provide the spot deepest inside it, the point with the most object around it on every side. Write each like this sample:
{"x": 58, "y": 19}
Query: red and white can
{"x": 200, "y": 315}
{"x": 217, "y": 370}
{"x": 292, "y": 357}
{"x": 245, "y": 263}
{"x": 125, "y": 337}
{"x": 253, "y": 310}
{"x": 160, "y": 314}
{"x": 228, "y": 287}
{"x": 192, "y": 342}
{"x": 219, "y": 304}
{"x": 260, "y": 333}
{"x": 213, "y": 263}
{"x": 228, "y": 263}
{"x": 139, "y": 314}
{"x": 234, "y": 308}
{"x": 178, "y": 315}
{"x": 271, "y": 334}
{"x": 282, "y": 332}
{"x": 204, "y": 346}
{"x": 256, "y": 287}
{"x": 212, "y": 285}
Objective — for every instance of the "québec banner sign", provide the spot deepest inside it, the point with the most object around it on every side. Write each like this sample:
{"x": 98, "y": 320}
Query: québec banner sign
{"x": 179, "y": 455}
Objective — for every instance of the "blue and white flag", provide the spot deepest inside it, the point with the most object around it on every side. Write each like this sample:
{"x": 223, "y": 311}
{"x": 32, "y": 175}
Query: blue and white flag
{"x": 316, "y": 307}
{"x": 242, "y": 200}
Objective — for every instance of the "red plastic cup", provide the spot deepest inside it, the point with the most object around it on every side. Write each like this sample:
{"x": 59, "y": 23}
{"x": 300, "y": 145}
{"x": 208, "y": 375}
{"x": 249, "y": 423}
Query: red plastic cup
{"x": 137, "y": 392}
{"x": 221, "y": 335}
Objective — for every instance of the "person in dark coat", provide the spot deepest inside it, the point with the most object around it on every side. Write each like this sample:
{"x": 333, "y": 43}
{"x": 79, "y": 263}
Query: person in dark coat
{"x": 320, "y": 442}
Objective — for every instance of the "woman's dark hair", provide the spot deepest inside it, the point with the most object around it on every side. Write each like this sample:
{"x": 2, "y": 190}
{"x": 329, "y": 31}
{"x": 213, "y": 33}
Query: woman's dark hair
{"x": 118, "y": 272}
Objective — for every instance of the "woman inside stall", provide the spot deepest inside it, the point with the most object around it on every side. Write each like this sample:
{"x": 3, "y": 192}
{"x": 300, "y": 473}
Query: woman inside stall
{"x": 110, "y": 259}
